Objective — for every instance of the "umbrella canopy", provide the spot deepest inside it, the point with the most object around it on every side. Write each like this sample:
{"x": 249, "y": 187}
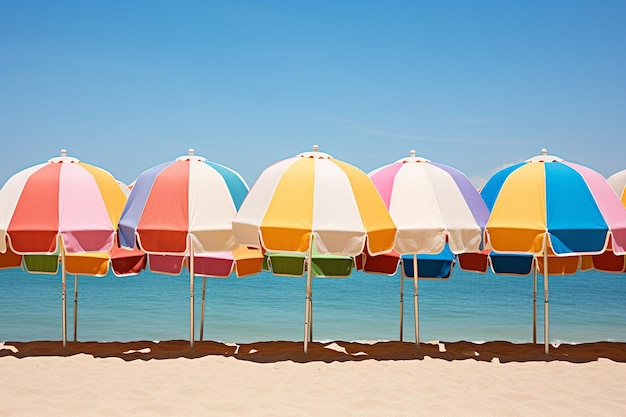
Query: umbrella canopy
{"x": 617, "y": 181}
{"x": 435, "y": 207}
{"x": 314, "y": 197}
{"x": 296, "y": 264}
{"x": 60, "y": 207}
{"x": 547, "y": 205}
{"x": 241, "y": 261}
{"x": 184, "y": 207}
{"x": 120, "y": 261}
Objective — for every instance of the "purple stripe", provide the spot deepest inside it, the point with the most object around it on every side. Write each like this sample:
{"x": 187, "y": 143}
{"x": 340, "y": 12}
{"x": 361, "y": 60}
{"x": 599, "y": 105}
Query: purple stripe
{"x": 471, "y": 195}
{"x": 127, "y": 226}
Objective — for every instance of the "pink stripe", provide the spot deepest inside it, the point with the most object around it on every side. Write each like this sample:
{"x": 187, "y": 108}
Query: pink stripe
{"x": 166, "y": 264}
{"x": 218, "y": 264}
{"x": 84, "y": 222}
{"x": 611, "y": 207}
{"x": 383, "y": 181}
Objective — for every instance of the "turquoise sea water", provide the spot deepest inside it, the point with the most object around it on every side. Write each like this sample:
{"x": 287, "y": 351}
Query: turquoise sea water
{"x": 586, "y": 307}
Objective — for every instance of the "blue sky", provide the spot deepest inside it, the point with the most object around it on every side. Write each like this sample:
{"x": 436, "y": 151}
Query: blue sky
{"x": 476, "y": 85}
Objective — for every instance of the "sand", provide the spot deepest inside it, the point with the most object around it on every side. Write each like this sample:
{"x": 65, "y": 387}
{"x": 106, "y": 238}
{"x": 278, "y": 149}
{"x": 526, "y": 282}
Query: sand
{"x": 334, "y": 379}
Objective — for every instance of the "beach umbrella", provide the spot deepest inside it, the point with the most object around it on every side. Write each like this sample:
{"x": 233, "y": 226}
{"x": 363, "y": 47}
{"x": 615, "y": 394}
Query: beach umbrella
{"x": 63, "y": 207}
{"x": 183, "y": 208}
{"x": 546, "y": 205}
{"x": 314, "y": 200}
{"x": 434, "y": 207}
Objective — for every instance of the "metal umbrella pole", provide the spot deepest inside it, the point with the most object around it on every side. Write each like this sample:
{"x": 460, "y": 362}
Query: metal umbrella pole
{"x": 416, "y": 301}
{"x": 203, "y": 302}
{"x": 401, "y": 305}
{"x": 64, "y": 296}
{"x": 75, "y": 306}
{"x": 534, "y": 300}
{"x": 308, "y": 302}
{"x": 545, "y": 304}
{"x": 191, "y": 294}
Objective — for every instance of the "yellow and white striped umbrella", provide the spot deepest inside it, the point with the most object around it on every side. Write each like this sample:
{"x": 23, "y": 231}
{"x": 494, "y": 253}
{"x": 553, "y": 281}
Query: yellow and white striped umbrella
{"x": 314, "y": 199}
{"x": 313, "y": 196}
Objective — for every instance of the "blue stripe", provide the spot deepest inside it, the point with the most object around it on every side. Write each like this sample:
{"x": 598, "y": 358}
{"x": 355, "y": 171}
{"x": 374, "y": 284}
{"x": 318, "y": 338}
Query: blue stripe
{"x": 135, "y": 205}
{"x": 575, "y": 222}
{"x": 236, "y": 185}
{"x": 511, "y": 263}
{"x": 430, "y": 266}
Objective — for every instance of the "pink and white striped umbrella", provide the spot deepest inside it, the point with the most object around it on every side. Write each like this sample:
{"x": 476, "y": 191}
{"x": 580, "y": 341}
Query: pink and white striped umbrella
{"x": 60, "y": 207}
{"x": 432, "y": 205}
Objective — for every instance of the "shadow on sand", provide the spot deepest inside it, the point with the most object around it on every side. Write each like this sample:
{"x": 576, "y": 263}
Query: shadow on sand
{"x": 339, "y": 351}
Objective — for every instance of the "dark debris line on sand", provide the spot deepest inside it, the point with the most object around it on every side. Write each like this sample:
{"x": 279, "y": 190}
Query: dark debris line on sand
{"x": 339, "y": 351}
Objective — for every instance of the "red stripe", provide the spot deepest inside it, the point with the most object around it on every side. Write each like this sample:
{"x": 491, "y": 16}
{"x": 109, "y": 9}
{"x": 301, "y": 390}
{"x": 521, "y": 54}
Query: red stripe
{"x": 164, "y": 223}
{"x": 35, "y": 221}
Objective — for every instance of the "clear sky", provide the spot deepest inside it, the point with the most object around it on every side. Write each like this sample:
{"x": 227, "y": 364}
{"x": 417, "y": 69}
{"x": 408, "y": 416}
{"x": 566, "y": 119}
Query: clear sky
{"x": 477, "y": 85}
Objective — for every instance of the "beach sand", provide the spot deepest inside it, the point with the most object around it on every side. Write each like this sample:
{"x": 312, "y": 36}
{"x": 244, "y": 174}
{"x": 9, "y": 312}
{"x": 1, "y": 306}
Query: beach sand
{"x": 337, "y": 378}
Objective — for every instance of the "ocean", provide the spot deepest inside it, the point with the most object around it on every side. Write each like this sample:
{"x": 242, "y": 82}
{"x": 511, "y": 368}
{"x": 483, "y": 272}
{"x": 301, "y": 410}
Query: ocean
{"x": 586, "y": 307}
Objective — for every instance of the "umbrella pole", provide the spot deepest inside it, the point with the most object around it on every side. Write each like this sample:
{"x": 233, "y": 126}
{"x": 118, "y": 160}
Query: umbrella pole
{"x": 416, "y": 302}
{"x": 202, "y": 317}
{"x": 545, "y": 304}
{"x": 311, "y": 315}
{"x": 534, "y": 301}
{"x": 191, "y": 292}
{"x": 308, "y": 303}
{"x": 63, "y": 296}
{"x": 401, "y": 305}
{"x": 75, "y": 305}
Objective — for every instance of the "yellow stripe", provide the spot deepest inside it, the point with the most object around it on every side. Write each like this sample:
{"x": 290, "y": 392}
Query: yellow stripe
{"x": 289, "y": 217}
{"x": 380, "y": 228}
{"x": 518, "y": 219}
{"x": 114, "y": 198}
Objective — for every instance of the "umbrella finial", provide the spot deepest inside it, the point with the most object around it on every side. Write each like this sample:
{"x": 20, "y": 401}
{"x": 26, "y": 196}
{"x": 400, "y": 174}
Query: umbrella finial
{"x": 315, "y": 154}
{"x": 191, "y": 156}
{"x": 413, "y": 158}
{"x": 63, "y": 158}
{"x": 545, "y": 157}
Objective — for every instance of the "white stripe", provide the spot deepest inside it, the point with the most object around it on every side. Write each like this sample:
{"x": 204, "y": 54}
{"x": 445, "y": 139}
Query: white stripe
{"x": 247, "y": 221}
{"x": 337, "y": 221}
{"x": 211, "y": 210}
{"x": 427, "y": 206}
